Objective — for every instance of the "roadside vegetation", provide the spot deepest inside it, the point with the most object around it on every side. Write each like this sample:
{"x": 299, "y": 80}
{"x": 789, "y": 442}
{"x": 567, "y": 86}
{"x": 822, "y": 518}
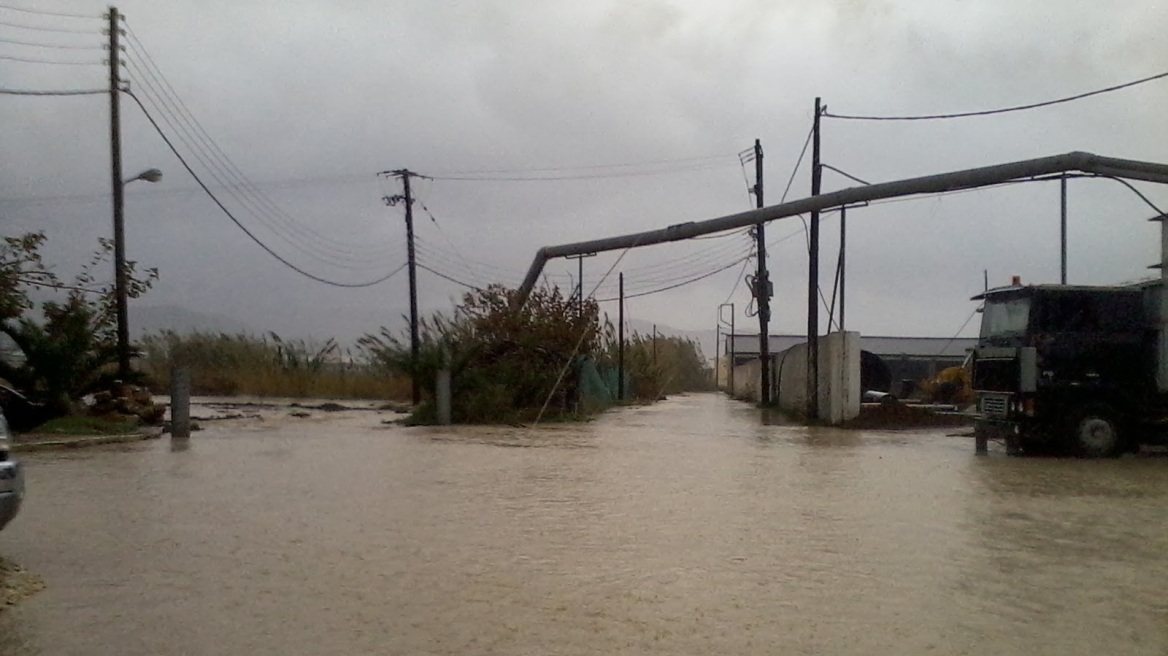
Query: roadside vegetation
{"x": 552, "y": 360}
{"x": 74, "y": 425}
{"x": 228, "y": 365}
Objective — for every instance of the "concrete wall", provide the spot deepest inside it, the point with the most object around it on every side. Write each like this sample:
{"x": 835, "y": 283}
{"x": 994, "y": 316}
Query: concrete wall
{"x": 839, "y": 378}
{"x": 747, "y": 379}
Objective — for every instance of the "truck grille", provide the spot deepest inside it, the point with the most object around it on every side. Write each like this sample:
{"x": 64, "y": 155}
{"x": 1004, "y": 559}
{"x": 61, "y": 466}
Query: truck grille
{"x": 995, "y": 405}
{"x": 997, "y": 375}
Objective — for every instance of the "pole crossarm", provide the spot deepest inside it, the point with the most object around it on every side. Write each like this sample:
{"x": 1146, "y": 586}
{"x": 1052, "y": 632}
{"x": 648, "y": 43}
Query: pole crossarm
{"x": 956, "y": 180}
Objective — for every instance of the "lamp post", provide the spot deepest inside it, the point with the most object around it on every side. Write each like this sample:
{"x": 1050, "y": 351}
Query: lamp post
{"x": 121, "y": 287}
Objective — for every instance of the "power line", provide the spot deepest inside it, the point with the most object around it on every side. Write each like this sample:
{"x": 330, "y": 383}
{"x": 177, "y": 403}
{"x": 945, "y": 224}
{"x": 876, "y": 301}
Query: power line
{"x": 450, "y": 278}
{"x": 1003, "y": 110}
{"x": 232, "y": 189}
{"x": 28, "y": 60}
{"x": 63, "y": 30}
{"x": 843, "y": 173}
{"x": 60, "y": 46}
{"x": 437, "y": 258}
{"x": 798, "y": 163}
{"x": 638, "y": 284}
{"x": 61, "y": 92}
{"x": 782, "y": 199}
{"x": 41, "y": 12}
{"x": 324, "y": 249}
{"x": 582, "y": 176}
{"x": 680, "y": 284}
{"x": 588, "y": 167}
{"x": 261, "y": 202}
{"x": 1135, "y": 191}
{"x": 236, "y": 221}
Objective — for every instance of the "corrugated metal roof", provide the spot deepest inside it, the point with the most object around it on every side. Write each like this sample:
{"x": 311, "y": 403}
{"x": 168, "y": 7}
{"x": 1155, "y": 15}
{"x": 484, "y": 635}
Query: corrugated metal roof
{"x": 888, "y": 347}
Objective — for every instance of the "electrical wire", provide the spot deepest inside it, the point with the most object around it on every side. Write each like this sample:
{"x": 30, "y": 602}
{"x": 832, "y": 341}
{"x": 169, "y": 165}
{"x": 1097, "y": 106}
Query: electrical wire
{"x": 958, "y": 333}
{"x": 41, "y": 12}
{"x": 798, "y": 163}
{"x": 457, "y": 252}
{"x": 29, "y": 60}
{"x": 476, "y": 268}
{"x": 61, "y": 92}
{"x": 1159, "y": 212}
{"x": 329, "y": 256}
{"x": 782, "y": 199}
{"x": 450, "y": 278}
{"x": 259, "y": 201}
{"x": 680, "y": 284}
{"x": 1003, "y": 110}
{"x": 583, "y": 333}
{"x": 240, "y": 225}
{"x": 582, "y": 176}
{"x": 59, "y": 46}
{"x": 739, "y": 231}
{"x": 589, "y": 167}
{"x": 719, "y": 254}
{"x": 437, "y": 260}
{"x": 678, "y": 270}
{"x": 843, "y": 173}
{"x": 328, "y": 252}
{"x": 637, "y": 285}
{"x": 62, "y": 30}
{"x": 212, "y": 157}
{"x": 59, "y": 286}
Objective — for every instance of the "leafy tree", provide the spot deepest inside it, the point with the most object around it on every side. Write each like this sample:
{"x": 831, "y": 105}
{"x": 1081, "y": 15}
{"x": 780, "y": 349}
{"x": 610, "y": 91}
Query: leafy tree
{"x": 68, "y": 347}
{"x": 21, "y": 268}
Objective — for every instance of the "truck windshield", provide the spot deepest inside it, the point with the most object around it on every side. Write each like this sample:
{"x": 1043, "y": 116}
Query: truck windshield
{"x": 1005, "y": 318}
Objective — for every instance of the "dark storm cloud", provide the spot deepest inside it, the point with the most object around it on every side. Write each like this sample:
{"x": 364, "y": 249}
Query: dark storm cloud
{"x": 311, "y": 98}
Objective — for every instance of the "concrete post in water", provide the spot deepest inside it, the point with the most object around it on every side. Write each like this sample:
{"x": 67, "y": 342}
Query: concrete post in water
{"x": 442, "y": 397}
{"x": 180, "y": 402}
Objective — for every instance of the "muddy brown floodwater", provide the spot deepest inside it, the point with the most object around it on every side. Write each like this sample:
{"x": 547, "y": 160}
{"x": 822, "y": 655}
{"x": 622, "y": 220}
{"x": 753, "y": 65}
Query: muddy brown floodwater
{"x": 688, "y": 527}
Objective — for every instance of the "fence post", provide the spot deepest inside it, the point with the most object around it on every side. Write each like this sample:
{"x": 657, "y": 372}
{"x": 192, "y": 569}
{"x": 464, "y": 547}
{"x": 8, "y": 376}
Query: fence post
{"x": 180, "y": 402}
{"x": 442, "y": 396}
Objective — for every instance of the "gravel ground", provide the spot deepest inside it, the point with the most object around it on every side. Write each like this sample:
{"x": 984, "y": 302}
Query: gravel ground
{"x": 16, "y": 583}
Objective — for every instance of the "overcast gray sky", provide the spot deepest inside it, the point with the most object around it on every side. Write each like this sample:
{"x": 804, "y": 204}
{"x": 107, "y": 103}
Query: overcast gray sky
{"x": 310, "y": 99}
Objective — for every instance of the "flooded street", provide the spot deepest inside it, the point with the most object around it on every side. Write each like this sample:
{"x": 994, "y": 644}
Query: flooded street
{"x": 681, "y": 528}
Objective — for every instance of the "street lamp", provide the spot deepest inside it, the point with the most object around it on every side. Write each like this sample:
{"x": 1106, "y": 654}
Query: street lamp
{"x": 149, "y": 175}
{"x": 121, "y": 287}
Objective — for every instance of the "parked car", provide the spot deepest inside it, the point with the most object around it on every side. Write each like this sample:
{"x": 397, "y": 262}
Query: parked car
{"x": 11, "y": 477}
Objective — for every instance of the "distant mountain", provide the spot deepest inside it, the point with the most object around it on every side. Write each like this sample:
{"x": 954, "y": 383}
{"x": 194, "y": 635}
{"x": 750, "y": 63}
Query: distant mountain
{"x": 154, "y": 319}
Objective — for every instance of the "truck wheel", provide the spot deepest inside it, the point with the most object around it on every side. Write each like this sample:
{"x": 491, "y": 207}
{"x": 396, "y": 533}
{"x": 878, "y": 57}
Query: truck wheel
{"x": 1014, "y": 445}
{"x": 1097, "y": 434}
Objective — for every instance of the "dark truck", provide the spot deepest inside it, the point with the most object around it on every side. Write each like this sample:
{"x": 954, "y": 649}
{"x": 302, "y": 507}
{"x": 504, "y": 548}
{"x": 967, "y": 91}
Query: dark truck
{"x": 1064, "y": 369}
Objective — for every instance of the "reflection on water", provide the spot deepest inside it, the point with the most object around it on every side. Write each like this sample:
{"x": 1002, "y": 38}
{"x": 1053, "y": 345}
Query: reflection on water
{"x": 686, "y": 527}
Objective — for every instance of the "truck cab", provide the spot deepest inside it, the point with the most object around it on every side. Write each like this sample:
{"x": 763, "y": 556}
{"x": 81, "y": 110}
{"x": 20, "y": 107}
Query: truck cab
{"x": 1068, "y": 369}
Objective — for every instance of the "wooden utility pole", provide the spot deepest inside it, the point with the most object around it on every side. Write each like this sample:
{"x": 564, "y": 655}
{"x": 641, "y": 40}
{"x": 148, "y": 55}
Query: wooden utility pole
{"x": 620, "y": 341}
{"x": 813, "y": 278}
{"x": 1063, "y": 230}
{"x": 843, "y": 263}
{"x": 580, "y": 278}
{"x": 407, "y": 198}
{"x": 654, "y": 345}
{"x": 121, "y": 288}
{"x": 762, "y": 287}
